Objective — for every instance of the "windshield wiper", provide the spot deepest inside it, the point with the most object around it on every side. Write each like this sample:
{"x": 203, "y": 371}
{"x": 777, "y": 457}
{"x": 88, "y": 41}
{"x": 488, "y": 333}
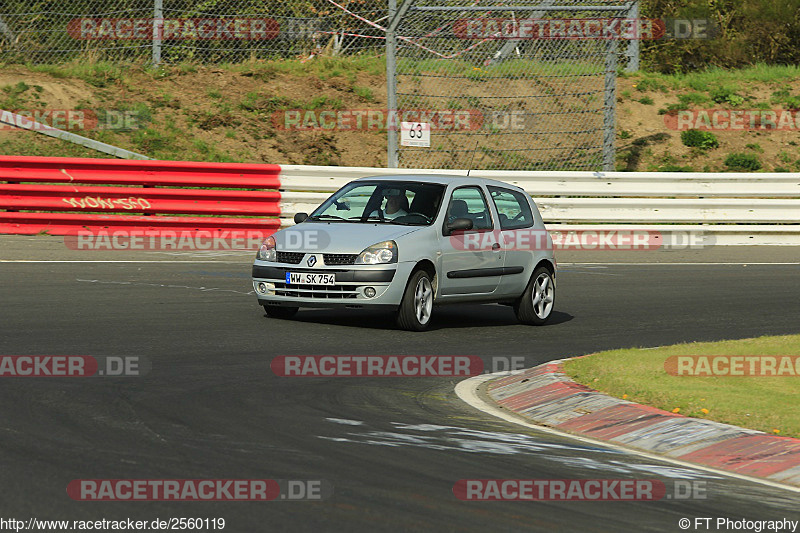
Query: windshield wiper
{"x": 319, "y": 217}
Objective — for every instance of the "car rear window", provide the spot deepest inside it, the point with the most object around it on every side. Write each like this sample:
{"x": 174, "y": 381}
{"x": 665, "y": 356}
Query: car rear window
{"x": 512, "y": 207}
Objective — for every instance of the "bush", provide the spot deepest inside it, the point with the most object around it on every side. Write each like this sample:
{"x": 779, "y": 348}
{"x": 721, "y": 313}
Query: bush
{"x": 750, "y": 31}
{"x": 726, "y": 95}
{"x": 743, "y": 162}
{"x": 704, "y": 140}
{"x": 792, "y": 103}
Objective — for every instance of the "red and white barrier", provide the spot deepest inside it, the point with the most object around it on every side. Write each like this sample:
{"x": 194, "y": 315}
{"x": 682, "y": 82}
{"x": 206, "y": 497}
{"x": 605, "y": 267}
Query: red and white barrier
{"x": 60, "y": 195}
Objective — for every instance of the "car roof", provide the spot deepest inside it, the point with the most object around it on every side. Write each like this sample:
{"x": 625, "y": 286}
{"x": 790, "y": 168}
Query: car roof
{"x": 442, "y": 179}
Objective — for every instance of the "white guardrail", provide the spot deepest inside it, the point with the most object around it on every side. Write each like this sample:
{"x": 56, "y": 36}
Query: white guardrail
{"x": 730, "y": 209}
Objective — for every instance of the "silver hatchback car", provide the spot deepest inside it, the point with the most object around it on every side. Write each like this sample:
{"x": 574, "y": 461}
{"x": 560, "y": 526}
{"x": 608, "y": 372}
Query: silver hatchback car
{"x": 407, "y": 243}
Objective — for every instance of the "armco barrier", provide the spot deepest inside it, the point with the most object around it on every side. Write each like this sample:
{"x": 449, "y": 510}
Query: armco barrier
{"x": 729, "y": 208}
{"x": 97, "y": 194}
{"x": 58, "y": 195}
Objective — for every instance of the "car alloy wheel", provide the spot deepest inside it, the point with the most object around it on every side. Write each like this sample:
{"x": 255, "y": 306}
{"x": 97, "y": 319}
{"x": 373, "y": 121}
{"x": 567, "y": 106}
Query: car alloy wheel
{"x": 414, "y": 313}
{"x": 543, "y": 295}
{"x": 536, "y": 304}
{"x": 423, "y": 300}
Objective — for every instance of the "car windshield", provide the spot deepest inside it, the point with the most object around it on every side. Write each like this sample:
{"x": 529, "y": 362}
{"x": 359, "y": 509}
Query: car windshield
{"x": 407, "y": 203}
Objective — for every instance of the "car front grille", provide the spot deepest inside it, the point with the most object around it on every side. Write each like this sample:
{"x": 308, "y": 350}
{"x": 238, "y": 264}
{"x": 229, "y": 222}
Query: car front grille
{"x": 294, "y": 258}
{"x": 340, "y": 259}
{"x": 315, "y": 291}
{"x": 290, "y": 258}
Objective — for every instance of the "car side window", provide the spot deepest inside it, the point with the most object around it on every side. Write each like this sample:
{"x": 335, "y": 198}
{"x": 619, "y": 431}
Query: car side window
{"x": 469, "y": 202}
{"x": 512, "y": 208}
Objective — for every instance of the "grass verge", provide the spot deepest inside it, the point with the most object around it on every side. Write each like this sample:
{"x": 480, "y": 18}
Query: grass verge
{"x": 767, "y": 404}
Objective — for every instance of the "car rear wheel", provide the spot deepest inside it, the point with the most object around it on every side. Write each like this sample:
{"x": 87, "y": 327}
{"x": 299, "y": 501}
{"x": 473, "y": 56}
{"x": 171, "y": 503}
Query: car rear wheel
{"x": 417, "y": 305}
{"x": 274, "y": 311}
{"x": 536, "y": 303}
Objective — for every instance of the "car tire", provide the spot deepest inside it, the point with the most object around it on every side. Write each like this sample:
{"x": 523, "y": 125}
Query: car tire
{"x": 274, "y": 311}
{"x": 415, "y": 309}
{"x": 536, "y": 304}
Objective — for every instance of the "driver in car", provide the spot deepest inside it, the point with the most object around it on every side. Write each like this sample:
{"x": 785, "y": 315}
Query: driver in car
{"x": 396, "y": 206}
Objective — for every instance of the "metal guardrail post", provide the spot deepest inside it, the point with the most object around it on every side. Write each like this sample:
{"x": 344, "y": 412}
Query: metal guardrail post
{"x": 391, "y": 88}
{"x": 632, "y": 50}
{"x": 158, "y": 25}
{"x": 610, "y": 106}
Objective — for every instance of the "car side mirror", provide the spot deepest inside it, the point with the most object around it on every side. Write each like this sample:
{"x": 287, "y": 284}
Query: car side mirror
{"x": 459, "y": 224}
{"x": 300, "y": 217}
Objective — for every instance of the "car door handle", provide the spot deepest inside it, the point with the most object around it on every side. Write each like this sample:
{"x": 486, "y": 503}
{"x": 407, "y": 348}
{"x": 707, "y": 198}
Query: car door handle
{"x": 496, "y": 246}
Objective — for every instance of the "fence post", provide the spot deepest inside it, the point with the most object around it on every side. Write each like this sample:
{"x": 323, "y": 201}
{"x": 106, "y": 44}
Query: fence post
{"x": 391, "y": 89}
{"x": 158, "y": 24}
{"x": 610, "y": 106}
{"x": 632, "y": 50}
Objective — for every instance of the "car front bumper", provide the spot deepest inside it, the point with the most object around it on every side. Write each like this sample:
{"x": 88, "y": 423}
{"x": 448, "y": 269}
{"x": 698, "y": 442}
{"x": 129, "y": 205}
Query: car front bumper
{"x": 389, "y": 282}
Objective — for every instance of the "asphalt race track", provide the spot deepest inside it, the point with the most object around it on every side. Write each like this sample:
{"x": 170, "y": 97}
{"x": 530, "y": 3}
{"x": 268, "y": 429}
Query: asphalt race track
{"x": 391, "y": 448}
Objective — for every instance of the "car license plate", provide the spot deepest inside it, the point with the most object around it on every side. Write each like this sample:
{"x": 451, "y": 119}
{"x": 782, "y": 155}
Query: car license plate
{"x": 302, "y": 278}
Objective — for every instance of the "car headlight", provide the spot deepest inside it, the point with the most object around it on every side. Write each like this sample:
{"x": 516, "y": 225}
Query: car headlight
{"x": 378, "y": 254}
{"x": 267, "y": 250}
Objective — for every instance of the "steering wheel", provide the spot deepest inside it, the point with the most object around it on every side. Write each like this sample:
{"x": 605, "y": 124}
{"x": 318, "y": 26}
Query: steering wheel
{"x": 520, "y": 214}
{"x": 428, "y": 219}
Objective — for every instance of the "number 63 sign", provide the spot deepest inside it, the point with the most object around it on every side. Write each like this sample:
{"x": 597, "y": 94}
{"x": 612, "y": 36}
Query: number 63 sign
{"x": 415, "y": 134}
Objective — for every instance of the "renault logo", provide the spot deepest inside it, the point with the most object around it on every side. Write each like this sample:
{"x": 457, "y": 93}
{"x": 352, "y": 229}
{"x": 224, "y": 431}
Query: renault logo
{"x": 312, "y": 261}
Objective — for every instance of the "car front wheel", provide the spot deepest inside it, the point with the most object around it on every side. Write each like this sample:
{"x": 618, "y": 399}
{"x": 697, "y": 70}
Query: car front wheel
{"x": 415, "y": 309}
{"x": 536, "y": 303}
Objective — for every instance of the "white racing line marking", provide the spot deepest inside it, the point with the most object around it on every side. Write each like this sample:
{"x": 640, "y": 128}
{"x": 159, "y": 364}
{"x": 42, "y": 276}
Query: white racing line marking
{"x": 167, "y": 286}
{"x": 466, "y": 391}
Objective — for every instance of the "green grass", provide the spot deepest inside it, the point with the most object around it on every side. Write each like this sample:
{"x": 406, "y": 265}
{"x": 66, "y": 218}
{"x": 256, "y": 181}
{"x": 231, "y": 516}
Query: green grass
{"x": 323, "y": 67}
{"x": 13, "y": 96}
{"x": 754, "y": 147}
{"x": 97, "y": 73}
{"x": 709, "y": 79}
{"x": 693, "y": 98}
{"x": 761, "y": 403}
{"x": 365, "y": 93}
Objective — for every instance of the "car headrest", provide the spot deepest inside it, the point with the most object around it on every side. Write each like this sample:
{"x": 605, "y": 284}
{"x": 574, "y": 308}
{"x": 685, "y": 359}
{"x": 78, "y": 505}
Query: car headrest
{"x": 459, "y": 209}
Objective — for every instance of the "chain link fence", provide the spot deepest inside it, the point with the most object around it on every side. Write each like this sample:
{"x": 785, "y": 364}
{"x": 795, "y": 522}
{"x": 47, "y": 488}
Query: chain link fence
{"x": 206, "y": 31}
{"x": 501, "y": 97}
{"x": 487, "y": 97}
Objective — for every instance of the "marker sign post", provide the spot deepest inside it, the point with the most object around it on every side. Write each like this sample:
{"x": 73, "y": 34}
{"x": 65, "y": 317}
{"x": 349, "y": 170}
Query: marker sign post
{"x": 415, "y": 134}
